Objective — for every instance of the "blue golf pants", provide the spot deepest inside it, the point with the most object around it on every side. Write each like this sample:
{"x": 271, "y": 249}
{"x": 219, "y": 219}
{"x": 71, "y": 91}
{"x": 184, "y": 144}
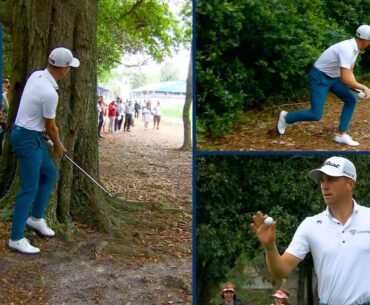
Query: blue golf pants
{"x": 37, "y": 177}
{"x": 320, "y": 85}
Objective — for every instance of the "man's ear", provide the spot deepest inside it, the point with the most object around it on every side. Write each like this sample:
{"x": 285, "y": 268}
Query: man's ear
{"x": 352, "y": 183}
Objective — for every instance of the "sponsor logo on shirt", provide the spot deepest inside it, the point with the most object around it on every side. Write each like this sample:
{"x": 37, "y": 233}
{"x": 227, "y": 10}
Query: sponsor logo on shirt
{"x": 319, "y": 222}
{"x": 353, "y": 232}
{"x": 363, "y": 232}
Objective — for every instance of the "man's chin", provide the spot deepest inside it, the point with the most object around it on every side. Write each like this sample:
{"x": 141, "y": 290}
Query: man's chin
{"x": 328, "y": 199}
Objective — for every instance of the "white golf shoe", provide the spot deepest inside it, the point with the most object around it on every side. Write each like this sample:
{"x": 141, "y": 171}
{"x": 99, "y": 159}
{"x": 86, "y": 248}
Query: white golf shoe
{"x": 23, "y": 246}
{"x": 40, "y": 227}
{"x": 281, "y": 123}
{"x": 345, "y": 139}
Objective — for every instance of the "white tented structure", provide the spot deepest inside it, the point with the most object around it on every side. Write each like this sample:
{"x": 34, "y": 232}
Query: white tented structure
{"x": 172, "y": 91}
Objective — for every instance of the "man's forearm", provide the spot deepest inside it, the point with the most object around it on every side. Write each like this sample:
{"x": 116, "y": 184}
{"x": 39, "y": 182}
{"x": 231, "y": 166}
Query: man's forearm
{"x": 53, "y": 134}
{"x": 275, "y": 262}
{"x": 350, "y": 80}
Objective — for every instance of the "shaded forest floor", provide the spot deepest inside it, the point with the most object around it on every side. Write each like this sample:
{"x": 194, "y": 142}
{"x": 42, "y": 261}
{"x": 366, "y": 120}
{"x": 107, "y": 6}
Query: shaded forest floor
{"x": 258, "y": 132}
{"x": 151, "y": 264}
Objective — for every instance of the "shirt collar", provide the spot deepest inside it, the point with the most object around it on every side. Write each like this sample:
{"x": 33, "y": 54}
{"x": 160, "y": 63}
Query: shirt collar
{"x": 354, "y": 211}
{"x": 51, "y": 79}
{"x": 354, "y": 44}
{"x": 355, "y": 206}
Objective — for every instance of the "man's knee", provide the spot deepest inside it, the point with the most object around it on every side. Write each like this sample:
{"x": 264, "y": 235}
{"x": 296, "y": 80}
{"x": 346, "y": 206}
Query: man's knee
{"x": 350, "y": 100}
{"x": 347, "y": 96}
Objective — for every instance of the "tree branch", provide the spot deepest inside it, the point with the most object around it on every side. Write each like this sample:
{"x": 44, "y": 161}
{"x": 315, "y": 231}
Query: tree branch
{"x": 132, "y": 65}
{"x": 141, "y": 25}
{"x": 134, "y": 8}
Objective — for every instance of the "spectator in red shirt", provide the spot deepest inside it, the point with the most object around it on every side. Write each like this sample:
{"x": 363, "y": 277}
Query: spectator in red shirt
{"x": 112, "y": 110}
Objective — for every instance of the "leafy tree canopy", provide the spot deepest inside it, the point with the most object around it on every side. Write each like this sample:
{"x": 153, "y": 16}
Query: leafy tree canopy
{"x": 129, "y": 27}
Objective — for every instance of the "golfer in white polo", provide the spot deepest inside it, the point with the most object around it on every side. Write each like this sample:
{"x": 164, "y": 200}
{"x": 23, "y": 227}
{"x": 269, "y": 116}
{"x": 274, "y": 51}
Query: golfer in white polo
{"x": 333, "y": 71}
{"x": 338, "y": 239}
{"x": 36, "y": 114}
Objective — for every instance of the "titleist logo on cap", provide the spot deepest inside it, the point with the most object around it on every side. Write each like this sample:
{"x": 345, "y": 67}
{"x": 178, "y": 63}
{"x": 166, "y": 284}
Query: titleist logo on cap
{"x": 332, "y": 164}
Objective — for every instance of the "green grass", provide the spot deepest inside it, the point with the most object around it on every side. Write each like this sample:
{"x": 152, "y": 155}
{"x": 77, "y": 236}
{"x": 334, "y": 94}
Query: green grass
{"x": 173, "y": 111}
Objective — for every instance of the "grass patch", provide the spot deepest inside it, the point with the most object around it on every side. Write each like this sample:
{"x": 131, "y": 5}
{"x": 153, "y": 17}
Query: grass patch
{"x": 174, "y": 111}
{"x": 121, "y": 250}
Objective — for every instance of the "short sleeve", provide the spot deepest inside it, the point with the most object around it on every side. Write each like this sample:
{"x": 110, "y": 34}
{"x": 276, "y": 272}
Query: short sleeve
{"x": 344, "y": 61}
{"x": 346, "y": 58}
{"x": 300, "y": 245}
{"x": 49, "y": 106}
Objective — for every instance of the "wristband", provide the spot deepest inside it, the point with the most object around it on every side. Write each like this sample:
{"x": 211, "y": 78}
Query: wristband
{"x": 270, "y": 247}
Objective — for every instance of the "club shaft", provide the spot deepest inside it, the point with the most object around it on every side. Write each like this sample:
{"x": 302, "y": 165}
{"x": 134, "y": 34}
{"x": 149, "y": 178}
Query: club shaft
{"x": 92, "y": 179}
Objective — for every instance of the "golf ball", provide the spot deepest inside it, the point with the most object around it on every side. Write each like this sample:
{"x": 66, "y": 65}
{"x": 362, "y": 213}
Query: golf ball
{"x": 269, "y": 220}
{"x": 362, "y": 94}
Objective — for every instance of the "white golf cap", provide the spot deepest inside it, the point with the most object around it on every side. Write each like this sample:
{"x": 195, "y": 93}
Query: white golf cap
{"x": 335, "y": 167}
{"x": 363, "y": 32}
{"x": 62, "y": 57}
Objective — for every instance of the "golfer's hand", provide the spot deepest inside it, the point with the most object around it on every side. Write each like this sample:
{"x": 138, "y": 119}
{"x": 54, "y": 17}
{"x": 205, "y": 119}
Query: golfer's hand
{"x": 367, "y": 92}
{"x": 265, "y": 233}
{"x": 59, "y": 150}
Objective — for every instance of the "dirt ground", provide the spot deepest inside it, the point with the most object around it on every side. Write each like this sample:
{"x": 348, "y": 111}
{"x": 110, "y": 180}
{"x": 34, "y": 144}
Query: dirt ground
{"x": 151, "y": 264}
{"x": 258, "y": 133}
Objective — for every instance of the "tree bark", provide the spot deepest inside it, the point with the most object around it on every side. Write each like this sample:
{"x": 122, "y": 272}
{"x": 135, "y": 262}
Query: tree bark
{"x": 38, "y": 27}
{"x": 186, "y": 110}
{"x": 5, "y": 13}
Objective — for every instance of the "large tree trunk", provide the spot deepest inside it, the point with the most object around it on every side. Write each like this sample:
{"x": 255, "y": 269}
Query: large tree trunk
{"x": 186, "y": 110}
{"x": 37, "y": 28}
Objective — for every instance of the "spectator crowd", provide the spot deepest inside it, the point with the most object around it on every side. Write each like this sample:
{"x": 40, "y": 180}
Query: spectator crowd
{"x": 119, "y": 115}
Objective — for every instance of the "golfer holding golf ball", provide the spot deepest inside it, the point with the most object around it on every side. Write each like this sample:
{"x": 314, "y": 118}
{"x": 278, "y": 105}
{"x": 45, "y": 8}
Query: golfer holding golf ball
{"x": 36, "y": 114}
{"x": 338, "y": 239}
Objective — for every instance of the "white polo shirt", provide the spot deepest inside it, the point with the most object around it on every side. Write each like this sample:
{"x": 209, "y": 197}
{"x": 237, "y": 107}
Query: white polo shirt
{"x": 340, "y": 55}
{"x": 129, "y": 109}
{"x": 39, "y": 100}
{"x": 341, "y": 255}
{"x": 157, "y": 110}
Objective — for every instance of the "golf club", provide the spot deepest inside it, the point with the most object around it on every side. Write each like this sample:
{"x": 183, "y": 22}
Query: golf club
{"x": 50, "y": 143}
{"x": 91, "y": 178}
